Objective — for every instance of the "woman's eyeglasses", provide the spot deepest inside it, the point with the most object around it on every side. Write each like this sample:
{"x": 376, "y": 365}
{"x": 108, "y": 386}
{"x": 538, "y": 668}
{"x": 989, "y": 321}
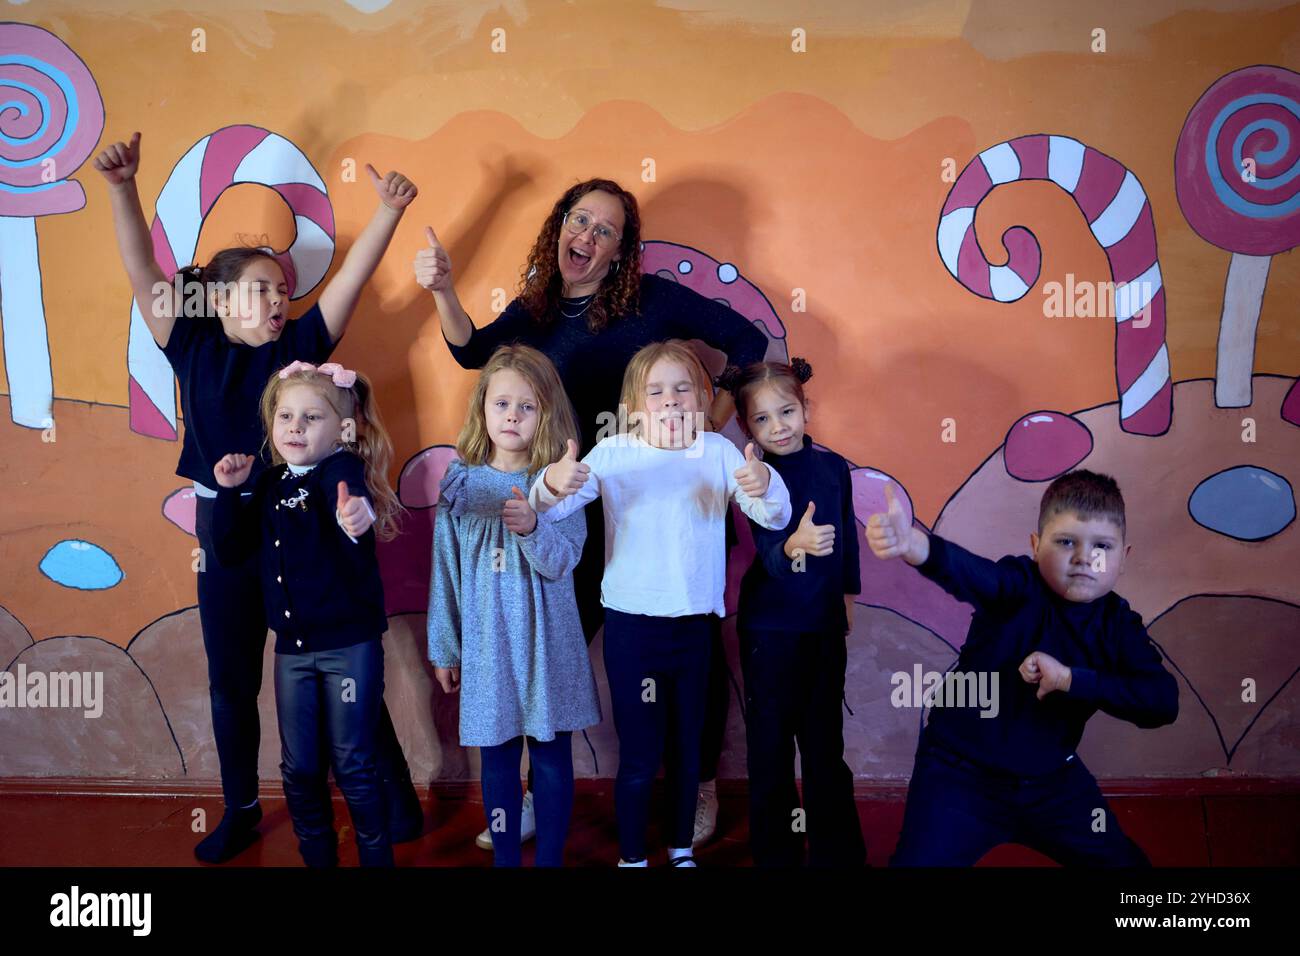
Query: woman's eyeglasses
{"x": 578, "y": 221}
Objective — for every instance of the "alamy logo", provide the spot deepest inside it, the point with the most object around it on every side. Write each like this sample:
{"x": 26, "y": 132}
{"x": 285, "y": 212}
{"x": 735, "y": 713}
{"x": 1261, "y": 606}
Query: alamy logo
{"x": 951, "y": 689}
{"x": 74, "y": 689}
{"x": 103, "y": 909}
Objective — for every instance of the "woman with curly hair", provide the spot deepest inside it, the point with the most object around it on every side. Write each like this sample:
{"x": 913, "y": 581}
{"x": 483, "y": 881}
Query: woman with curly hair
{"x": 584, "y": 302}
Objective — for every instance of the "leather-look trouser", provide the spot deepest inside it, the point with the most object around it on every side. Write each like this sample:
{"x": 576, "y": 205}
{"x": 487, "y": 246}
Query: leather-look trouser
{"x": 329, "y": 705}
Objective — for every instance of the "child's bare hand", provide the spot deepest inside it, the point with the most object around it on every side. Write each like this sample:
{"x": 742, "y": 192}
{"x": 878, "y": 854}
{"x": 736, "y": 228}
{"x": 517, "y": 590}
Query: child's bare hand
{"x": 517, "y": 514}
{"x": 891, "y": 535}
{"x": 568, "y": 475}
{"x": 232, "y": 471}
{"x": 815, "y": 539}
{"x": 753, "y": 475}
{"x": 353, "y": 512}
{"x": 395, "y": 190}
{"x": 432, "y": 264}
{"x": 448, "y": 679}
{"x": 119, "y": 162}
{"x": 1045, "y": 671}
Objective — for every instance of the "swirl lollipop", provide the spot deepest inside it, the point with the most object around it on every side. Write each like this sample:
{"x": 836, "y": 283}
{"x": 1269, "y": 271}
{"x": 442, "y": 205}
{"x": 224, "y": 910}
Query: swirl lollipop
{"x": 51, "y": 116}
{"x": 1237, "y": 174}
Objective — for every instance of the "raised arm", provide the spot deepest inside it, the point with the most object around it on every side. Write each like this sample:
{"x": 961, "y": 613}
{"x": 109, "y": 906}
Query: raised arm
{"x": 966, "y": 576}
{"x": 151, "y": 287}
{"x": 469, "y": 346}
{"x": 339, "y": 298}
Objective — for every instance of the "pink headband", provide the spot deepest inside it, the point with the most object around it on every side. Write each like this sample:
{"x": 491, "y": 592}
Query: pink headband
{"x": 342, "y": 377}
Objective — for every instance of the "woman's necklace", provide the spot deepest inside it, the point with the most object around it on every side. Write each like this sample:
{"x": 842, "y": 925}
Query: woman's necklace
{"x": 586, "y": 301}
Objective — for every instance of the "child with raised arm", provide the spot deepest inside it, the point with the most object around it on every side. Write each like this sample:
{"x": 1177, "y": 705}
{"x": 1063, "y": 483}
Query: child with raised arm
{"x": 1055, "y": 644}
{"x": 665, "y": 484}
{"x": 222, "y": 360}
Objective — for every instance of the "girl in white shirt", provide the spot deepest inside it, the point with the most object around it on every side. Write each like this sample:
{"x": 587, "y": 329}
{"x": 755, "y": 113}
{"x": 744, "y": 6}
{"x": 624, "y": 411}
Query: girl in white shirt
{"x": 665, "y": 483}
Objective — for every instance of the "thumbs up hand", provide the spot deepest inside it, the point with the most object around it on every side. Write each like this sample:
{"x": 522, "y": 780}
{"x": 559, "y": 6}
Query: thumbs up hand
{"x": 517, "y": 514}
{"x": 432, "y": 264}
{"x": 568, "y": 475}
{"x": 891, "y": 535}
{"x": 753, "y": 475}
{"x": 817, "y": 540}
{"x": 395, "y": 190}
{"x": 353, "y": 512}
{"x": 119, "y": 162}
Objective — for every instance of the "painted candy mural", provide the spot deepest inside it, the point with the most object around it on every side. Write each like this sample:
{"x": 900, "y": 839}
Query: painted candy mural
{"x": 806, "y": 207}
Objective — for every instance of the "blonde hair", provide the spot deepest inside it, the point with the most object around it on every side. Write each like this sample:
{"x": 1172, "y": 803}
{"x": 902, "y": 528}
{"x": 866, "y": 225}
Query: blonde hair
{"x": 638, "y": 370}
{"x": 372, "y": 443}
{"x": 556, "y": 421}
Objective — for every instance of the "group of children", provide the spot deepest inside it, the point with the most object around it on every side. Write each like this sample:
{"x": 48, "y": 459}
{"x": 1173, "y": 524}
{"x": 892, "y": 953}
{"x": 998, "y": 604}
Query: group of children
{"x": 503, "y": 626}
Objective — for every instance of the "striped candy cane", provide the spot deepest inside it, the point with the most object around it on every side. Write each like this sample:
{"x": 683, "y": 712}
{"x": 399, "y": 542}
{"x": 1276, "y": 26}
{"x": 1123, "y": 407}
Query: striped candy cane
{"x": 234, "y": 154}
{"x": 1119, "y": 215}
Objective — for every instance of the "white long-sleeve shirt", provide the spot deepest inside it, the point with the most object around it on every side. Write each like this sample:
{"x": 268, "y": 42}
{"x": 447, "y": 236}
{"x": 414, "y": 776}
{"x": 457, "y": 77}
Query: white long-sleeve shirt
{"x": 665, "y": 520}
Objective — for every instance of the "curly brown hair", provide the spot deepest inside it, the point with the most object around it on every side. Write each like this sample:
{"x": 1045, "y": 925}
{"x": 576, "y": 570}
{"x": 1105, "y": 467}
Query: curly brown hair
{"x": 540, "y": 286}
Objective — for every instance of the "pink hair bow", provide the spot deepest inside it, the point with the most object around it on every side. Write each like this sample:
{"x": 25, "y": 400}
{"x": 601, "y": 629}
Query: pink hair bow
{"x": 342, "y": 377}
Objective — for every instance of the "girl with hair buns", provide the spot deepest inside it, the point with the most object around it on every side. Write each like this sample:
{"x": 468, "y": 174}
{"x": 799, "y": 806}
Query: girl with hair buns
{"x": 796, "y": 605}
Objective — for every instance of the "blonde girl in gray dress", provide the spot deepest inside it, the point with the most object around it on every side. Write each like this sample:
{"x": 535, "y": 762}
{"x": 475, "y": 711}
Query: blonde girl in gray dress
{"x": 504, "y": 630}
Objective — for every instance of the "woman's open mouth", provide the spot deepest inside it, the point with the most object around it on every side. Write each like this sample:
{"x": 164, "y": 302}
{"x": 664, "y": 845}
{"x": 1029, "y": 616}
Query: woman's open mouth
{"x": 578, "y": 259}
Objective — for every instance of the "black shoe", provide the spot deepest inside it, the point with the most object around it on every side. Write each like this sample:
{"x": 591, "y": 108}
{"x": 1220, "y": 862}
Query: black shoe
{"x": 236, "y": 832}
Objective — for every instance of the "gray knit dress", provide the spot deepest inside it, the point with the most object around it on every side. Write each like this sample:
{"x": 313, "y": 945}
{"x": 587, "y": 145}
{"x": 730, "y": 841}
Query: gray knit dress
{"x": 501, "y": 608}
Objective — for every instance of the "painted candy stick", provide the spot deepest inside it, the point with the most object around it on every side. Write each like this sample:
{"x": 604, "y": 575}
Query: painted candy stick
{"x": 233, "y": 154}
{"x": 1119, "y": 215}
{"x": 51, "y": 116}
{"x": 1237, "y": 174}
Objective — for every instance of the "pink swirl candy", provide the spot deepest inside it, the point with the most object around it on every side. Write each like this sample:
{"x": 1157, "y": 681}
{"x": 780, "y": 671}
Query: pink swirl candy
{"x": 51, "y": 116}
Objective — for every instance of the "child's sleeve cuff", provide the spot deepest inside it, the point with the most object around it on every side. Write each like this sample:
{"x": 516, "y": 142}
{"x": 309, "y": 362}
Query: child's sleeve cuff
{"x": 1083, "y": 683}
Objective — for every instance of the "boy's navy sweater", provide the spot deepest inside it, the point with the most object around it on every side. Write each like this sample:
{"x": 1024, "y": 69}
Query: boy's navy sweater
{"x": 322, "y": 591}
{"x": 773, "y": 595}
{"x": 1114, "y": 666}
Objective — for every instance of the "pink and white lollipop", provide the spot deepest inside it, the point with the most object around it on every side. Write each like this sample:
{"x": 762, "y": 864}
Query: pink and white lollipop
{"x": 51, "y": 116}
{"x": 1237, "y": 174}
{"x": 231, "y": 155}
{"x": 1119, "y": 215}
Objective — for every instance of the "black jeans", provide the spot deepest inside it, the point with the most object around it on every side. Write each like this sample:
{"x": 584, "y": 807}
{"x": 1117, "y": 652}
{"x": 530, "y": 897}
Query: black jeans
{"x": 794, "y": 690}
{"x": 328, "y": 704}
{"x": 234, "y": 638}
{"x": 958, "y": 810}
{"x": 657, "y": 668}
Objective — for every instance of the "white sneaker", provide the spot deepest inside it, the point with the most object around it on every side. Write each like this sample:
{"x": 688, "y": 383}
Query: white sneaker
{"x": 680, "y": 858}
{"x": 527, "y": 825}
{"x": 706, "y": 817}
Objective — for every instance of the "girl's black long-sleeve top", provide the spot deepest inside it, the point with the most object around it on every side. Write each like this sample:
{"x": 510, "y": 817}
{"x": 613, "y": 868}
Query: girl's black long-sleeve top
{"x": 779, "y": 593}
{"x": 321, "y": 589}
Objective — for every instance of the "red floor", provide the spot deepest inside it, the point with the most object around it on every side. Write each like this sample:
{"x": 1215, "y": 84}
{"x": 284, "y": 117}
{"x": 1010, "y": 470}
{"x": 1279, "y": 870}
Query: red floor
{"x": 1182, "y": 825}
